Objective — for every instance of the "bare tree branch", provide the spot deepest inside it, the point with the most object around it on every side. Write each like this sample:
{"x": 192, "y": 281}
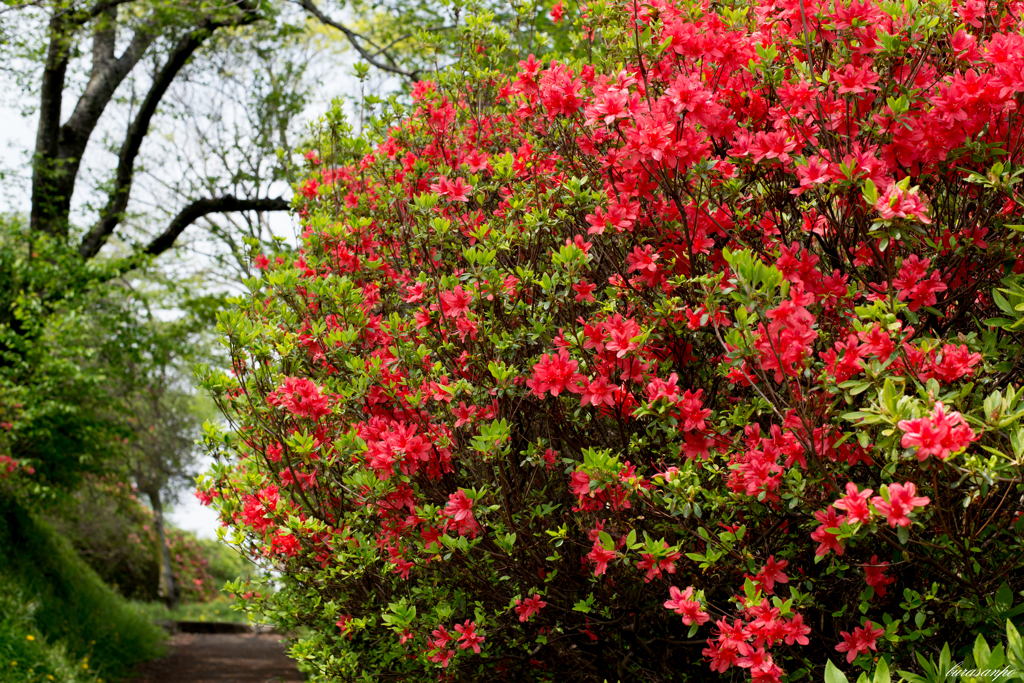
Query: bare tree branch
{"x": 139, "y": 128}
{"x": 353, "y": 39}
{"x": 107, "y": 75}
{"x": 203, "y": 207}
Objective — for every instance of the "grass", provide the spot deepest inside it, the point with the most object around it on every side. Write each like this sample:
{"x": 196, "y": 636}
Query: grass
{"x": 214, "y": 610}
{"x": 58, "y": 620}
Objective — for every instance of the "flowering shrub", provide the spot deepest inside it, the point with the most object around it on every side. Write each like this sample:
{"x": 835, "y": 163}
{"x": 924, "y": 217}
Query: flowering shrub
{"x": 598, "y": 372}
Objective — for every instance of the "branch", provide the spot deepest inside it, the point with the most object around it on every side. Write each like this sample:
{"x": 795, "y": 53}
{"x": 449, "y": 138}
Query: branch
{"x": 396, "y": 41}
{"x": 201, "y": 207}
{"x": 118, "y": 198}
{"x": 354, "y": 39}
{"x": 107, "y": 75}
{"x": 76, "y": 16}
{"x": 20, "y": 6}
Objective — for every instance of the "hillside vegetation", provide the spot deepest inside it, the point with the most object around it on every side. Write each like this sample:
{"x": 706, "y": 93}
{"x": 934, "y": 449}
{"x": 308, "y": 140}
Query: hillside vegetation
{"x": 58, "y": 621}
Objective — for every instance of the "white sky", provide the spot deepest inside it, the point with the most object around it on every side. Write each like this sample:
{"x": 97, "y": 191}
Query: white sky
{"x": 191, "y": 515}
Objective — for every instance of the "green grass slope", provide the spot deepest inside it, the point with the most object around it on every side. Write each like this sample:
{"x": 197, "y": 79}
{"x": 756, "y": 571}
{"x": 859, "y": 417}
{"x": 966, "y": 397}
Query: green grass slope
{"x": 58, "y": 620}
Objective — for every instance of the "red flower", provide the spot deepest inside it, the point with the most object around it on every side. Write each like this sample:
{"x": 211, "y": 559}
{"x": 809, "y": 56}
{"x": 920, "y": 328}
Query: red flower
{"x": 902, "y": 501}
{"x": 861, "y": 640}
{"x": 940, "y": 434}
{"x": 855, "y": 80}
{"x": 602, "y": 557}
{"x": 598, "y": 392}
{"x": 460, "y": 511}
{"x": 555, "y": 373}
{"x": 874, "y": 576}
{"x": 772, "y": 573}
{"x": 693, "y": 411}
{"x": 456, "y": 302}
{"x": 557, "y": 12}
{"x": 827, "y": 541}
{"x": 584, "y": 291}
{"x": 468, "y": 637}
{"x": 911, "y": 283}
{"x": 528, "y": 607}
{"x": 855, "y": 504}
{"x": 301, "y": 397}
{"x": 456, "y": 191}
{"x": 680, "y": 602}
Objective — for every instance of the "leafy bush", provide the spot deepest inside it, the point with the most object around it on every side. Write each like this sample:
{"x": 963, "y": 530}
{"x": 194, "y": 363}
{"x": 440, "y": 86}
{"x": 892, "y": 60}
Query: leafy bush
{"x": 705, "y": 346}
{"x": 58, "y": 416}
{"x": 76, "y": 621}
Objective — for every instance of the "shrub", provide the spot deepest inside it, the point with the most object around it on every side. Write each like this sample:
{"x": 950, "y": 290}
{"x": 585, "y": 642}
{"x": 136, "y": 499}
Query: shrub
{"x": 704, "y": 347}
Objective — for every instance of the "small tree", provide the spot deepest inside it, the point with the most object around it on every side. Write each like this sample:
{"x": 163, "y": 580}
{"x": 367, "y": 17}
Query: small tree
{"x": 163, "y": 457}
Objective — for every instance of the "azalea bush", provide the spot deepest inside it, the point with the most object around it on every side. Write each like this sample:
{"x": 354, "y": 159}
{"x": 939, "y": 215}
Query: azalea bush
{"x": 696, "y": 353}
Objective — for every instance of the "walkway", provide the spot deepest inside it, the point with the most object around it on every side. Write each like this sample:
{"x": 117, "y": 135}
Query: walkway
{"x": 221, "y": 658}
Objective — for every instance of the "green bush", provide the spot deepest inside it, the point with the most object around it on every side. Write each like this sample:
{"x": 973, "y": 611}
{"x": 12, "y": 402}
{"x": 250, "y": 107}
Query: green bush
{"x": 51, "y": 594}
{"x": 224, "y": 564}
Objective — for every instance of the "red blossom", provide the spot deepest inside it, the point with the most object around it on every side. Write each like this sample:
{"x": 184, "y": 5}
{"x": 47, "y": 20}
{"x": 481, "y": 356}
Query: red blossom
{"x": 903, "y": 499}
{"x": 861, "y": 640}
{"x": 528, "y": 607}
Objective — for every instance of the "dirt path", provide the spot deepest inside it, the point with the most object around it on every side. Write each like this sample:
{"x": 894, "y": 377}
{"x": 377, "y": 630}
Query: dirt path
{"x": 221, "y": 658}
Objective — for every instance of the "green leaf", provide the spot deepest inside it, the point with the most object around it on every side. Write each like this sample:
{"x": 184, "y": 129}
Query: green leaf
{"x": 833, "y": 674}
{"x": 982, "y": 652}
{"x": 945, "y": 662}
{"x": 890, "y": 396}
{"x": 870, "y": 192}
{"x": 1014, "y": 647}
{"x": 882, "y": 672}
{"x": 1004, "y": 597}
{"x": 1002, "y": 303}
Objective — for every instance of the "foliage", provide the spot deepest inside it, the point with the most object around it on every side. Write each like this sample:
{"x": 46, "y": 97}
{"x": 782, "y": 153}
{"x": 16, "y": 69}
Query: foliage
{"x": 980, "y": 662}
{"x": 75, "y": 620}
{"x": 55, "y": 395}
{"x": 224, "y": 564}
{"x": 705, "y": 346}
{"x": 25, "y": 655}
{"x": 84, "y": 362}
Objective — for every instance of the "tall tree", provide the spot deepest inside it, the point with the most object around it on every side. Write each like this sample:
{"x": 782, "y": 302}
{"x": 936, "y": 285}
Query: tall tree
{"x": 168, "y": 34}
{"x": 93, "y": 61}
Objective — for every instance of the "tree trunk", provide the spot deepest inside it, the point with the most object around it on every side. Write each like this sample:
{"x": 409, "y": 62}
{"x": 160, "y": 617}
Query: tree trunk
{"x": 45, "y": 215}
{"x": 167, "y": 589}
